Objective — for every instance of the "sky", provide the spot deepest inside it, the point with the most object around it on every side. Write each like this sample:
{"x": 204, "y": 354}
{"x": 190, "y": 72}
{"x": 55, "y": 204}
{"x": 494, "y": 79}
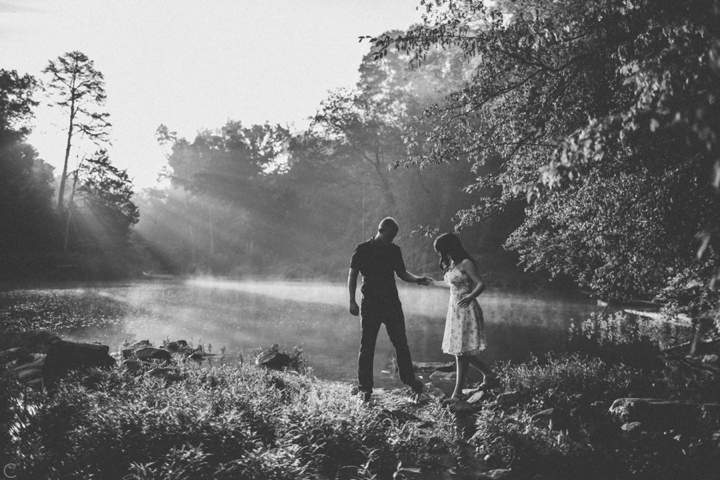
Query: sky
{"x": 193, "y": 64}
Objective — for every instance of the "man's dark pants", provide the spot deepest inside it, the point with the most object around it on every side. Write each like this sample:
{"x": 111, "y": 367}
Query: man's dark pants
{"x": 373, "y": 316}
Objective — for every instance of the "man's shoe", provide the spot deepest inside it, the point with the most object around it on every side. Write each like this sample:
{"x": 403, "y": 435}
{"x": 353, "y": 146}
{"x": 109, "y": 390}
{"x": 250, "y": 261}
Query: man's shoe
{"x": 365, "y": 397}
{"x": 418, "y": 394}
{"x": 418, "y": 388}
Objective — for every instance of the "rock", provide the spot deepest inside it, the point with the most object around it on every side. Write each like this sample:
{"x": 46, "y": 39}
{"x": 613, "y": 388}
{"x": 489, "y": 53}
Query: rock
{"x": 710, "y": 359}
{"x": 660, "y": 414}
{"x": 632, "y": 427}
{"x": 461, "y": 408}
{"x": 434, "y": 366}
{"x": 552, "y": 419}
{"x": 434, "y": 392}
{"x": 445, "y": 381}
{"x": 397, "y": 415}
{"x": 152, "y": 353}
{"x": 273, "y": 360}
{"x": 479, "y": 396}
{"x": 197, "y": 356}
{"x": 499, "y": 474}
{"x": 63, "y": 356}
{"x": 139, "y": 344}
{"x": 508, "y": 398}
{"x": 177, "y": 346}
{"x": 135, "y": 366}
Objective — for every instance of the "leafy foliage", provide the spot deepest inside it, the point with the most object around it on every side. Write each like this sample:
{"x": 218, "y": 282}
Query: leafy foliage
{"x": 604, "y": 116}
{"x": 29, "y": 226}
{"x": 107, "y": 191}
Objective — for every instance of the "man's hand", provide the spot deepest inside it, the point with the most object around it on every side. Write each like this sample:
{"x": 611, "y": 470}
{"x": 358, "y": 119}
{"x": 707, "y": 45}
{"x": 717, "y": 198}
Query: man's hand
{"x": 424, "y": 281}
{"x": 354, "y": 309}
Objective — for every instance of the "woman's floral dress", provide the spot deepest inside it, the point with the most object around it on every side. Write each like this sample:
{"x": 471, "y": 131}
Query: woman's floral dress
{"x": 464, "y": 327}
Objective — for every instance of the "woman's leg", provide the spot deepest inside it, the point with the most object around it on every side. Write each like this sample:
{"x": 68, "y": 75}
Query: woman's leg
{"x": 462, "y": 362}
{"x": 488, "y": 374}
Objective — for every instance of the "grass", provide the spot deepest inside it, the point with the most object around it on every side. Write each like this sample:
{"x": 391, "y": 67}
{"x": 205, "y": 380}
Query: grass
{"x": 221, "y": 422}
{"x": 229, "y": 422}
{"x": 584, "y": 440}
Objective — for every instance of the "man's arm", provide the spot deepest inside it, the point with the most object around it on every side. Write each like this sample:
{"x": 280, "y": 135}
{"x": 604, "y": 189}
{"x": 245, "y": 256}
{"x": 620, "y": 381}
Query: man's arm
{"x": 352, "y": 287}
{"x": 412, "y": 278}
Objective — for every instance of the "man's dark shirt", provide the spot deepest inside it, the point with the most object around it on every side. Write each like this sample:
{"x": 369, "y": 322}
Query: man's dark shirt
{"x": 378, "y": 265}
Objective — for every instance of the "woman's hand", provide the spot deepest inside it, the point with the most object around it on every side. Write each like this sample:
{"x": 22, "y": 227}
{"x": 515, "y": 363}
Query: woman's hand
{"x": 465, "y": 301}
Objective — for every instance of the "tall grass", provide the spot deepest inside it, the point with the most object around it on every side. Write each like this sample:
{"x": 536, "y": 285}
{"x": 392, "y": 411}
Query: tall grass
{"x": 222, "y": 422}
{"x": 230, "y": 422}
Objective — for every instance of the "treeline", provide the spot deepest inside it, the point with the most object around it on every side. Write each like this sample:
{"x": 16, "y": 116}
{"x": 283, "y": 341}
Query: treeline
{"x": 255, "y": 200}
{"x": 261, "y": 200}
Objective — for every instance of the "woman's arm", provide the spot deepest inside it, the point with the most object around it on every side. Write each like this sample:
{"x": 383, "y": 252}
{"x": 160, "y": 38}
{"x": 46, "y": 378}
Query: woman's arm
{"x": 469, "y": 268}
{"x": 439, "y": 283}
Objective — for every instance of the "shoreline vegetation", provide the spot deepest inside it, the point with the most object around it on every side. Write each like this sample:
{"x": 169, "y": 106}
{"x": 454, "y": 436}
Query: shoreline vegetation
{"x": 564, "y": 416}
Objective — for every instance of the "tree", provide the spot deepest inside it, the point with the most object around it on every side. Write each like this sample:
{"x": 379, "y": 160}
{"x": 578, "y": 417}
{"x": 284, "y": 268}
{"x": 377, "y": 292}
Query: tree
{"x": 79, "y": 89}
{"x": 228, "y": 190}
{"x": 605, "y": 118}
{"x": 25, "y": 180}
{"x": 16, "y": 104}
{"x": 105, "y": 204}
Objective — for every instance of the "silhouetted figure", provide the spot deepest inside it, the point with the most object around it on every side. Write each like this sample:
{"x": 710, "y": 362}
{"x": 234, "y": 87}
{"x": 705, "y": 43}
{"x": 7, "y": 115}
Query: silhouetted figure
{"x": 379, "y": 260}
{"x": 464, "y": 325}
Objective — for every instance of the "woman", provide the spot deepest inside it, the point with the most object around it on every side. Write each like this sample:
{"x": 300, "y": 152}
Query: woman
{"x": 464, "y": 327}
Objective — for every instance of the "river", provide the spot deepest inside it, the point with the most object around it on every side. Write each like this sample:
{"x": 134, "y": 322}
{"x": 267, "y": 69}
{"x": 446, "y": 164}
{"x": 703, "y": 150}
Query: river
{"x": 242, "y": 316}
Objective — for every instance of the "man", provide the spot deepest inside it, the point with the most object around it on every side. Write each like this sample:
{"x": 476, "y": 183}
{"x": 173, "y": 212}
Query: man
{"x": 379, "y": 259}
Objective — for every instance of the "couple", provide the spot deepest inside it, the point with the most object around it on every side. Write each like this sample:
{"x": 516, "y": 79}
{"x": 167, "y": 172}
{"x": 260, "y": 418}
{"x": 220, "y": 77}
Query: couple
{"x": 379, "y": 259}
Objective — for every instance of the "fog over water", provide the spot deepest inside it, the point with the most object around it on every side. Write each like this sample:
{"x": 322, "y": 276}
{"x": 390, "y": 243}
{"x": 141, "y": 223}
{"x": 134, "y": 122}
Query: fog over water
{"x": 242, "y": 316}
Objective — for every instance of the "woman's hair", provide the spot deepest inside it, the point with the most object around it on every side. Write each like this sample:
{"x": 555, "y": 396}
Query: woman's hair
{"x": 451, "y": 250}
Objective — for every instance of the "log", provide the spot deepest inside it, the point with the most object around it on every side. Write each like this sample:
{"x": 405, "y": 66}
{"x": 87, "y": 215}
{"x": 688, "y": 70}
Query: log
{"x": 63, "y": 356}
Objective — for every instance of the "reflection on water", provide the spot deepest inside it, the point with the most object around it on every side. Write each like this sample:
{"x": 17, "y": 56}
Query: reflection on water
{"x": 242, "y": 316}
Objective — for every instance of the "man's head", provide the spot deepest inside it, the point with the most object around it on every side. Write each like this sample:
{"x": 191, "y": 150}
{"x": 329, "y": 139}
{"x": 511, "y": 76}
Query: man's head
{"x": 387, "y": 230}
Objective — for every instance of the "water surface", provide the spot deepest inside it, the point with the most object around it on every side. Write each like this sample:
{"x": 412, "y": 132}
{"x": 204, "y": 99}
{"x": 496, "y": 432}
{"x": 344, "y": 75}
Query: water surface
{"x": 243, "y": 316}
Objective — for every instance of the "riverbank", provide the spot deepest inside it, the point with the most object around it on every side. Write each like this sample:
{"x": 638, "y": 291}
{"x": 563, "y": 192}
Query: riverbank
{"x": 552, "y": 418}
